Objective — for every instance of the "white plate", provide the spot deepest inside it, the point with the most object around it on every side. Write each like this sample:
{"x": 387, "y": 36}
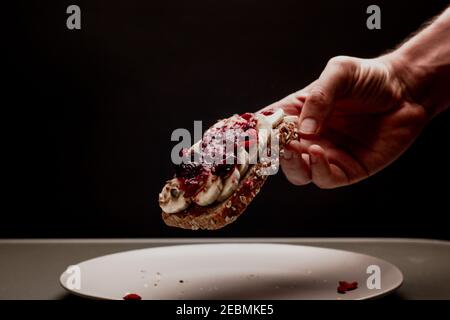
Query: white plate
{"x": 230, "y": 271}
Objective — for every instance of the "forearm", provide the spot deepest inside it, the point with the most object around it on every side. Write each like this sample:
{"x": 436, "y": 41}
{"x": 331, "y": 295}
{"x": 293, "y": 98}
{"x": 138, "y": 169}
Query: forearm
{"x": 423, "y": 65}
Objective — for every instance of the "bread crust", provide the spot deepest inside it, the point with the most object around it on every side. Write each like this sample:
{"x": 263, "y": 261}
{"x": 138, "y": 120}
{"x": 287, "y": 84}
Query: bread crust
{"x": 219, "y": 215}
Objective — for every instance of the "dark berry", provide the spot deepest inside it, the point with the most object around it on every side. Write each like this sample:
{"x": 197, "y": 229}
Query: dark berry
{"x": 188, "y": 170}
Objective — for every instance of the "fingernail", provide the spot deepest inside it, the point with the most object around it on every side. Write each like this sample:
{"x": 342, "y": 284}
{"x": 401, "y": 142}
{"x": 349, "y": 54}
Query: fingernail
{"x": 308, "y": 126}
{"x": 287, "y": 154}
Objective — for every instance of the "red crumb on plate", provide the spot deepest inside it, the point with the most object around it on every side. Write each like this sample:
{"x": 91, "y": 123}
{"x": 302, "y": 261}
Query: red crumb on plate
{"x": 132, "y": 296}
{"x": 345, "y": 286}
{"x": 267, "y": 113}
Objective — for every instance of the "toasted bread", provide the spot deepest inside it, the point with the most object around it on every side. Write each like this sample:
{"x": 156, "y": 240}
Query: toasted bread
{"x": 220, "y": 214}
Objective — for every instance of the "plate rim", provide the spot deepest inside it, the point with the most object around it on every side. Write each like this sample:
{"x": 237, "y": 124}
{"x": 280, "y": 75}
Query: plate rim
{"x": 371, "y": 297}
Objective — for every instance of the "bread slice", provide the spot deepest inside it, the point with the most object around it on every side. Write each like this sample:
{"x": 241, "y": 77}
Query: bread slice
{"x": 218, "y": 215}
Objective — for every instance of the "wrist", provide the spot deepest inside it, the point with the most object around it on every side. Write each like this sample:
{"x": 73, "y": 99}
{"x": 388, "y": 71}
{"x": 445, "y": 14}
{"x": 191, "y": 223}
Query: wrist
{"x": 422, "y": 66}
{"x": 422, "y": 81}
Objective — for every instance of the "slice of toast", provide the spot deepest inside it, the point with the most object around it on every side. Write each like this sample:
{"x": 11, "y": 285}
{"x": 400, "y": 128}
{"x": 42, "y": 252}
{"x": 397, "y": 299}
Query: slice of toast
{"x": 218, "y": 215}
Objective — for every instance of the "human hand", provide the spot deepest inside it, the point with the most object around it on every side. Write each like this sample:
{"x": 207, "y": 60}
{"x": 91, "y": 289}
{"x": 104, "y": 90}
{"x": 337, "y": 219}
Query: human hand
{"x": 354, "y": 120}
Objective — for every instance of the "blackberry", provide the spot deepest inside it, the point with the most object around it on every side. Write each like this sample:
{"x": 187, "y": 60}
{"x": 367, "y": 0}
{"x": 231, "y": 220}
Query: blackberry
{"x": 188, "y": 170}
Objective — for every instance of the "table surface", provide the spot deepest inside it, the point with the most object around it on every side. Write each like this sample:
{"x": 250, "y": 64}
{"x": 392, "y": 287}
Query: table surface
{"x": 30, "y": 269}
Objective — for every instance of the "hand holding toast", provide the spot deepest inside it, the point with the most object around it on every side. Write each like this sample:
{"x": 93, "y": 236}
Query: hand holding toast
{"x": 362, "y": 114}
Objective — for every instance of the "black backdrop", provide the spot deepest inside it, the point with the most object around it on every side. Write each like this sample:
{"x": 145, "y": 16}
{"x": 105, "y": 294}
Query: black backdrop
{"x": 87, "y": 115}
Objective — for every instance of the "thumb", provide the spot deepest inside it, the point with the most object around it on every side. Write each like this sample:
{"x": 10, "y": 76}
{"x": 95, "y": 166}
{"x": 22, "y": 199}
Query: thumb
{"x": 291, "y": 104}
{"x": 331, "y": 85}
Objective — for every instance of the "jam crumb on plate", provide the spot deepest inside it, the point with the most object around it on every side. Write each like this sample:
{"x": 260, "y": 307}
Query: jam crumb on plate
{"x": 132, "y": 296}
{"x": 345, "y": 286}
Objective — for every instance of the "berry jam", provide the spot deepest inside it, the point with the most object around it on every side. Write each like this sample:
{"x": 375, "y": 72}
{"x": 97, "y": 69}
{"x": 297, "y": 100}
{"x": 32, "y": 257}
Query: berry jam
{"x": 247, "y": 116}
{"x": 132, "y": 296}
{"x": 190, "y": 185}
{"x": 215, "y": 157}
{"x": 249, "y": 184}
{"x": 250, "y": 140}
{"x": 250, "y": 122}
{"x": 345, "y": 286}
{"x": 188, "y": 170}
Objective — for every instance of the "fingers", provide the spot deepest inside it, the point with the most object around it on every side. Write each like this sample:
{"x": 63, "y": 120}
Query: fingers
{"x": 291, "y": 104}
{"x": 323, "y": 174}
{"x": 332, "y": 84}
{"x": 294, "y": 166}
{"x": 302, "y": 164}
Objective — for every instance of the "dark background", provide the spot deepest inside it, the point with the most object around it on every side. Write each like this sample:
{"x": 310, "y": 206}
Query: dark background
{"x": 87, "y": 115}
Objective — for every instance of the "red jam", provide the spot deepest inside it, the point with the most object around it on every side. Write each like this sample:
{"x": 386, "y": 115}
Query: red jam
{"x": 249, "y": 183}
{"x": 252, "y": 139}
{"x": 345, "y": 286}
{"x": 190, "y": 185}
{"x": 267, "y": 113}
{"x": 250, "y": 122}
{"x": 247, "y": 116}
{"x": 132, "y": 296}
{"x": 193, "y": 175}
